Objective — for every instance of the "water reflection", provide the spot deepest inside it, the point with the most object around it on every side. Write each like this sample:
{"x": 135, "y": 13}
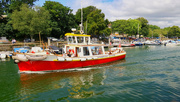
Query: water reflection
{"x": 5, "y": 59}
{"x": 77, "y": 84}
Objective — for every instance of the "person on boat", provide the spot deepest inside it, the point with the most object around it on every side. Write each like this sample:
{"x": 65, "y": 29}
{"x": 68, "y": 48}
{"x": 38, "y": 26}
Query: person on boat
{"x": 110, "y": 52}
{"x": 68, "y": 54}
{"x": 71, "y": 51}
{"x": 100, "y": 51}
{"x": 13, "y": 41}
{"x": 119, "y": 50}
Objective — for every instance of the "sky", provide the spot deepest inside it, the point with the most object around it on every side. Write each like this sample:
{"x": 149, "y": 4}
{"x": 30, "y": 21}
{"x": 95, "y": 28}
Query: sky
{"x": 163, "y": 13}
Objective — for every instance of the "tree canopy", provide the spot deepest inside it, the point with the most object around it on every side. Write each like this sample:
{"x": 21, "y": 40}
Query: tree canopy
{"x": 8, "y": 6}
{"x": 86, "y": 12}
{"x": 144, "y": 26}
{"x": 130, "y": 26}
{"x": 62, "y": 18}
{"x": 94, "y": 21}
{"x": 54, "y": 19}
{"x": 174, "y": 31}
{"x": 30, "y": 21}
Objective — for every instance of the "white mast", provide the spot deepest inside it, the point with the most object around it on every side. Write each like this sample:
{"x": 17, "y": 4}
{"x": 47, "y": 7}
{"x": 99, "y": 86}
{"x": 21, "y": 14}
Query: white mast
{"x": 81, "y": 27}
{"x": 138, "y": 28}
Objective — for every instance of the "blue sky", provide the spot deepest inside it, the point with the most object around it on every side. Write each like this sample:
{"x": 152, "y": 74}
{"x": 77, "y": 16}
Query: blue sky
{"x": 41, "y": 2}
{"x": 163, "y": 13}
{"x": 64, "y": 2}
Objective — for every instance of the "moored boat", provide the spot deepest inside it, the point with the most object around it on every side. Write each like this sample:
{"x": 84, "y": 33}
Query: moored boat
{"x": 79, "y": 52}
{"x": 128, "y": 45}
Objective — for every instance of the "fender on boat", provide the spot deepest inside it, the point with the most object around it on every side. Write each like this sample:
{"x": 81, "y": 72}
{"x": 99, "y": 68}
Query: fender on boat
{"x": 68, "y": 59}
{"x": 19, "y": 58}
{"x": 36, "y": 58}
{"x": 82, "y": 59}
{"x": 61, "y": 59}
{"x": 16, "y": 61}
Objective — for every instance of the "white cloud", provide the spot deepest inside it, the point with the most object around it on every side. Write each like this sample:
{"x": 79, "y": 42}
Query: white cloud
{"x": 162, "y": 13}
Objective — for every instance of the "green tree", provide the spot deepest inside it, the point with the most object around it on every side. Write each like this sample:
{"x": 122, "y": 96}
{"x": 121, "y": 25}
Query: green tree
{"x": 120, "y": 26}
{"x": 62, "y": 18}
{"x": 174, "y": 31}
{"x": 93, "y": 20}
{"x": 153, "y": 27}
{"x": 96, "y": 22}
{"x": 30, "y": 21}
{"x": 154, "y": 31}
{"x": 6, "y": 30}
{"x": 144, "y": 26}
{"x": 166, "y": 30}
{"x": 8, "y": 6}
{"x": 86, "y": 12}
{"x": 133, "y": 26}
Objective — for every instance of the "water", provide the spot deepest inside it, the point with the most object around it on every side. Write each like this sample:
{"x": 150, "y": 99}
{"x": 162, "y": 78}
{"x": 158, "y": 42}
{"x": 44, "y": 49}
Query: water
{"x": 147, "y": 74}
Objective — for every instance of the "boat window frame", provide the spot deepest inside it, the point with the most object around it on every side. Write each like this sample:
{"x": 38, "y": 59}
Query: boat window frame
{"x": 87, "y": 51}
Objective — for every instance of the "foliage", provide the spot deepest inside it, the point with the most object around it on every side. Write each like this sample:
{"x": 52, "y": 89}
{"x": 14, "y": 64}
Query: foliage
{"x": 62, "y": 18}
{"x": 8, "y": 6}
{"x": 6, "y": 30}
{"x": 86, "y": 12}
{"x": 133, "y": 26}
{"x": 30, "y": 21}
{"x": 120, "y": 26}
{"x": 153, "y": 27}
{"x": 97, "y": 24}
{"x": 106, "y": 31}
{"x": 144, "y": 26}
{"x": 174, "y": 31}
{"x": 94, "y": 20}
{"x": 41, "y": 20}
{"x": 129, "y": 26}
{"x": 54, "y": 19}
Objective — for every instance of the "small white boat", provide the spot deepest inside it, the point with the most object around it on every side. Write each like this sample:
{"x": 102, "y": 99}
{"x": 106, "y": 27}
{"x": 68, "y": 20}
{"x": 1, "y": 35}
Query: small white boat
{"x": 151, "y": 43}
{"x": 2, "y": 55}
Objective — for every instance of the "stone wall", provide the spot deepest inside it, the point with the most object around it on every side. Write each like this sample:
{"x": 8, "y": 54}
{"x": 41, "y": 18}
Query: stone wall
{"x": 9, "y": 47}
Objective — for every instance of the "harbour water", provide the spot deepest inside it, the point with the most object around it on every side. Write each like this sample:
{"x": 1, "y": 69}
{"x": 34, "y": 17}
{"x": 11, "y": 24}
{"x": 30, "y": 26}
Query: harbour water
{"x": 148, "y": 74}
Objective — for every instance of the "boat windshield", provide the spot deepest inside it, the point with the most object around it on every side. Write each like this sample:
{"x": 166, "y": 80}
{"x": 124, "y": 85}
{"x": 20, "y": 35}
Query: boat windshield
{"x": 80, "y": 39}
{"x": 96, "y": 50}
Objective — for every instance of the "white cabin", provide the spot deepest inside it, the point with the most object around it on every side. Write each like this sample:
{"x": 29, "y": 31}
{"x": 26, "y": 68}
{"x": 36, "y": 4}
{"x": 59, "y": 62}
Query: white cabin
{"x": 80, "y": 46}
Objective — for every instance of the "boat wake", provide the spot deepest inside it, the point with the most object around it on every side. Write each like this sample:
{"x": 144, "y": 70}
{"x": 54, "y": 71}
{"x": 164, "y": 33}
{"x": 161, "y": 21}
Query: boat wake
{"x": 65, "y": 70}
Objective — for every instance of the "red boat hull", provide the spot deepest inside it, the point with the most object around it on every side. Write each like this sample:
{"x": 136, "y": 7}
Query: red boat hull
{"x": 60, "y": 65}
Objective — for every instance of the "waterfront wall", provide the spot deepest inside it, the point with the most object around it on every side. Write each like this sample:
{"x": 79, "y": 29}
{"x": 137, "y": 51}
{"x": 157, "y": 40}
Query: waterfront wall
{"x": 9, "y": 47}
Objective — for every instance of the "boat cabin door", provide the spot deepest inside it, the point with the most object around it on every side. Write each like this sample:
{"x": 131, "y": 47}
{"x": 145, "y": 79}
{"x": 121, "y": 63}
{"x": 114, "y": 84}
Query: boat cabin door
{"x": 77, "y": 51}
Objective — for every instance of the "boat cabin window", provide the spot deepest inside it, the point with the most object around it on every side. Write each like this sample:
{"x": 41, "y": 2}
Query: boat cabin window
{"x": 85, "y": 51}
{"x": 96, "y": 50}
{"x": 80, "y": 39}
{"x": 87, "y": 40}
{"x": 70, "y": 39}
{"x": 74, "y": 41}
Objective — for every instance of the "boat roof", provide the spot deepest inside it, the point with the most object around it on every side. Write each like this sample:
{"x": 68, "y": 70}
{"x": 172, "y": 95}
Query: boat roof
{"x": 82, "y": 35}
{"x": 86, "y": 45}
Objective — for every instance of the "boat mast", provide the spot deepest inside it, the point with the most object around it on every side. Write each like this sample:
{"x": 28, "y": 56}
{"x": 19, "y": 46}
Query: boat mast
{"x": 138, "y": 30}
{"x": 81, "y": 27}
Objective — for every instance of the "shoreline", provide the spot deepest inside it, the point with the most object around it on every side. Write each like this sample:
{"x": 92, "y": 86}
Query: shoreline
{"x": 10, "y": 47}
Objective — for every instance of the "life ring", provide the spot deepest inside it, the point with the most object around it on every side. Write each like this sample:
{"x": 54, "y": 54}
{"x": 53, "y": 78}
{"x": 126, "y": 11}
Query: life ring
{"x": 71, "y": 51}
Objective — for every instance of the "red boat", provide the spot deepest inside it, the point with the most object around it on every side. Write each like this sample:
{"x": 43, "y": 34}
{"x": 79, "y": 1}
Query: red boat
{"x": 79, "y": 52}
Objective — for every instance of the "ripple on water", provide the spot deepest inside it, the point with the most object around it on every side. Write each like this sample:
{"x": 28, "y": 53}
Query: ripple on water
{"x": 147, "y": 74}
